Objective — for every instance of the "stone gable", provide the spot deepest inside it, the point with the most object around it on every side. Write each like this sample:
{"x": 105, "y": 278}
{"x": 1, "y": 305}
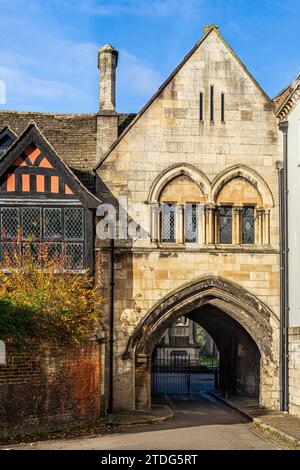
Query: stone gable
{"x": 166, "y": 141}
{"x": 170, "y": 132}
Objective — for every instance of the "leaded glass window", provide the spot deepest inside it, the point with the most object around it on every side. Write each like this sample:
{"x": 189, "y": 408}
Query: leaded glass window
{"x": 53, "y": 227}
{"x": 168, "y": 224}
{"x": 73, "y": 223}
{"x": 60, "y": 230}
{"x": 191, "y": 223}
{"x": 225, "y": 224}
{"x": 10, "y": 223}
{"x": 9, "y": 253}
{"x": 54, "y": 250}
{"x": 31, "y": 222}
{"x": 31, "y": 249}
{"x": 74, "y": 255}
{"x": 248, "y": 225}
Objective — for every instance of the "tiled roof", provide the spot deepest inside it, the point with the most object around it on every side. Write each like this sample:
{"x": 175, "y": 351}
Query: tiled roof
{"x": 281, "y": 96}
{"x": 73, "y": 136}
{"x": 287, "y": 98}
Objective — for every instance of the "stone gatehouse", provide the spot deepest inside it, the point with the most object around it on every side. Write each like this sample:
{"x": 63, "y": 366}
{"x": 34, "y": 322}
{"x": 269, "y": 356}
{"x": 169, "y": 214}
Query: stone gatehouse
{"x": 207, "y": 139}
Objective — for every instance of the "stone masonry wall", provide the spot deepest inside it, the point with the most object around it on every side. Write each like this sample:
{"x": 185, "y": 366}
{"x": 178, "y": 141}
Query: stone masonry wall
{"x": 143, "y": 279}
{"x": 49, "y": 389}
{"x": 294, "y": 371}
{"x": 170, "y": 133}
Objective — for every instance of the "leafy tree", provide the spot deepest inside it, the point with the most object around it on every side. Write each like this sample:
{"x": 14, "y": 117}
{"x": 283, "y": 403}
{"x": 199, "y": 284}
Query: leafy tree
{"x": 200, "y": 336}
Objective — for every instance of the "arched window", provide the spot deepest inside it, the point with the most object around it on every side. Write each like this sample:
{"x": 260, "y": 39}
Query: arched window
{"x": 236, "y": 217}
{"x": 234, "y": 209}
{"x": 179, "y": 211}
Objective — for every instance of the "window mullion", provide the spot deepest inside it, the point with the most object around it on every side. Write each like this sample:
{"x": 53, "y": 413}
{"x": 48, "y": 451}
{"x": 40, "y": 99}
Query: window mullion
{"x": 179, "y": 223}
{"x": 210, "y": 213}
{"x": 237, "y": 225}
{"x": 259, "y": 227}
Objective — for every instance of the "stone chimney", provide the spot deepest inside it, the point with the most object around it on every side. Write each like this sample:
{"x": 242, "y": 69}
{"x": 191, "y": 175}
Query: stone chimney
{"x": 107, "y": 117}
{"x": 107, "y": 64}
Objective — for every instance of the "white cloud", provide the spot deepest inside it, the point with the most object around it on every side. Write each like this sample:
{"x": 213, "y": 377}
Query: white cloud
{"x": 20, "y": 83}
{"x": 136, "y": 76}
{"x": 44, "y": 70}
{"x": 32, "y": 82}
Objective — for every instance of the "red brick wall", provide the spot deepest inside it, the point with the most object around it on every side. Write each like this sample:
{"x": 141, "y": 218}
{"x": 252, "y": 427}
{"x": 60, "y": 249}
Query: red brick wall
{"x": 49, "y": 388}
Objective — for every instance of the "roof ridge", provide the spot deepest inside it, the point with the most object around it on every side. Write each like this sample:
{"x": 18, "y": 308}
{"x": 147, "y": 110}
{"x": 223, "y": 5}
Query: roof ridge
{"x": 45, "y": 113}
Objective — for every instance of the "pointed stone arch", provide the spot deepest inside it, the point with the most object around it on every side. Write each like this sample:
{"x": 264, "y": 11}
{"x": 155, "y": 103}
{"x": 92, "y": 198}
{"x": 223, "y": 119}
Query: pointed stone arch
{"x": 241, "y": 307}
{"x": 174, "y": 171}
{"x": 249, "y": 174}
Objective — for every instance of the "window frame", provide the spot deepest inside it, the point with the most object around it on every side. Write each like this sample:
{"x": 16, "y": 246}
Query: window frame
{"x": 87, "y": 223}
{"x": 245, "y": 206}
{"x": 220, "y": 242}
{"x": 184, "y": 223}
{"x": 161, "y": 214}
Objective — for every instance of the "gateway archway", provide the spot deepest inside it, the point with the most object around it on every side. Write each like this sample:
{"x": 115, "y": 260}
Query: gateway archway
{"x": 185, "y": 362}
{"x": 238, "y": 322}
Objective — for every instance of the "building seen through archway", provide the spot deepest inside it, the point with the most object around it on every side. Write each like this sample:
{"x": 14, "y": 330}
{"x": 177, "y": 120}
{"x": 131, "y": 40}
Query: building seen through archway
{"x": 185, "y": 361}
{"x": 205, "y": 350}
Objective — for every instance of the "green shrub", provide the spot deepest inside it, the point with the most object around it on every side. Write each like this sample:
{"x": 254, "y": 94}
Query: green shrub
{"x": 39, "y": 299}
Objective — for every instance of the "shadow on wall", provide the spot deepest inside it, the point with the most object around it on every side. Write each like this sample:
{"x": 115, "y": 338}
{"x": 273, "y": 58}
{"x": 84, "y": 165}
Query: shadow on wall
{"x": 239, "y": 354}
{"x": 49, "y": 388}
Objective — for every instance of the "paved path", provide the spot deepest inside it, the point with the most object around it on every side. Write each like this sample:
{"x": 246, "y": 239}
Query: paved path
{"x": 200, "y": 423}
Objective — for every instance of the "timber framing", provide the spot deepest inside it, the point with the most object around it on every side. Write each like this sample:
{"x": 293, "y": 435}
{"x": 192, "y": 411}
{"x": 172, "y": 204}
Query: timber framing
{"x": 32, "y": 135}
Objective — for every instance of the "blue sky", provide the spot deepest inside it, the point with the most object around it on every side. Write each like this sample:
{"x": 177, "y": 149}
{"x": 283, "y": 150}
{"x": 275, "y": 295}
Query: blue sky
{"x": 48, "y": 49}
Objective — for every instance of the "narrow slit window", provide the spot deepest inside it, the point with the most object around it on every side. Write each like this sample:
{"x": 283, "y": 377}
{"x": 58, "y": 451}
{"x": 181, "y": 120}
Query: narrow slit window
{"x": 223, "y": 107}
{"x": 211, "y": 103}
{"x": 201, "y": 107}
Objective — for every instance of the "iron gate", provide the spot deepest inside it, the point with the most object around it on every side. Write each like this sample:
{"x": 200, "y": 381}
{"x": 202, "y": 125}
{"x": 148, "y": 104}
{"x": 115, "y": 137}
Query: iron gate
{"x": 170, "y": 374}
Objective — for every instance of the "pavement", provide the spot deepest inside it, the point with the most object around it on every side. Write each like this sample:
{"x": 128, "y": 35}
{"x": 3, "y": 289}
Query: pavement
{"x": 281, "y": 425}
{"x": 200, "y": 423}
{"x": 160, "y": 412}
